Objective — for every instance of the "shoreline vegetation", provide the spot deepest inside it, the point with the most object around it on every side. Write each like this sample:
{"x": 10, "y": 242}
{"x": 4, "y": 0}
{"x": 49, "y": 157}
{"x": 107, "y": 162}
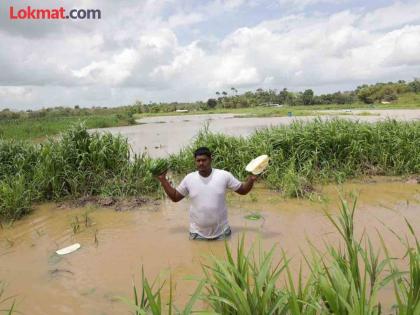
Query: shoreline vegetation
{"x": 37, "y": 125}
{"x": 80, "y": 163}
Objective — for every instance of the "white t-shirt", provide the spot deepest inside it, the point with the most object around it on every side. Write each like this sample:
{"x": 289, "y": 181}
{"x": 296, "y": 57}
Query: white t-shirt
{"x": 208, "y": 212}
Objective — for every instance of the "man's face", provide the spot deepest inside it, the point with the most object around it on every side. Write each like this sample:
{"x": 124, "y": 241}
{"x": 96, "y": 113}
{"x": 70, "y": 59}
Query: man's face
{"x": 202, "y": 163}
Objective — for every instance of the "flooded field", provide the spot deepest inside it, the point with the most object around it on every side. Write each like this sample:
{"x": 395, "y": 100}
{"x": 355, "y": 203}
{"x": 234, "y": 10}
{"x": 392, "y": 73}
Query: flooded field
{"x": 163, "y": 135}
{"x": 114, "y": 245}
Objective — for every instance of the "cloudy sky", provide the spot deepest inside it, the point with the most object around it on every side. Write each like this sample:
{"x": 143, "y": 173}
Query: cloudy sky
{"x": 186, "y": 50}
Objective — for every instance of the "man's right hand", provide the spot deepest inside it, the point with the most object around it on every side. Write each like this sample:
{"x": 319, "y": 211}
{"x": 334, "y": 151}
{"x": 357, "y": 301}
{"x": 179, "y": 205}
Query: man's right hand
{"x": 172, "y": 193}
{"x": 162, "y": 176}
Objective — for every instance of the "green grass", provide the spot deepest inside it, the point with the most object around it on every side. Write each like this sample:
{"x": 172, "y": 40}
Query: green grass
{"x": 355, "y": 275}
{"x": 150, "y": 299}
{"x": 7, "y": 304}
{"x": 304, "y": 154}
{"x": 39, "y": 128}
{"x": 16, "y": 198}
{"x": 245, "y": 284}
{"x": 76, "y": 164}
{"x": 407, "y": 286}
{"x": 406, "y": 100}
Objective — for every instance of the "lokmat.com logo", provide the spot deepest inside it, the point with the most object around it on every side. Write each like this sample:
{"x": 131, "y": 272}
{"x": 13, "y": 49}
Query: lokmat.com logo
{"x": 30, "y": 13}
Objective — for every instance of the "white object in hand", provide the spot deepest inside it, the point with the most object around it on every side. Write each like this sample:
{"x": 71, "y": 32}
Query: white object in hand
{"x": 68, "y": 249}
{"x": 258, "y": 165}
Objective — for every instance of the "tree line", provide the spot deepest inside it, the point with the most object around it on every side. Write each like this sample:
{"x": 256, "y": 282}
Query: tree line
{"x": 367, "y": 94}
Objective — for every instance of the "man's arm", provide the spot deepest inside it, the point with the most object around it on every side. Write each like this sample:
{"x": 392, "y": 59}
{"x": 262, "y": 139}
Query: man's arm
{"x": 247, "y": 185}
{"x": 172, "y": 193}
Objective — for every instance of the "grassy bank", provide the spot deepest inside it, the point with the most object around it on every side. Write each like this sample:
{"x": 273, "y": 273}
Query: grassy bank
{"x": 76, "y": 164}
{"x": 341, "y": 279}
{"x": 302, "y": 154}
{"x": 406, "y": 101}
{"x": 314, "y": 110}
{"x": 36, "y": 126}
{"x": 306, "y": 153}
{"x": 38, "y": 130}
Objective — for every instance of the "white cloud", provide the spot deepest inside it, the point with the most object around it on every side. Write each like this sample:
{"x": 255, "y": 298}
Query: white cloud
{"x": 234, "y": 70}
{"x": 322, "y": 51}
{"x": 15, "y": 93}
{"x": 404, "y": 45}
{"x": 225, "y": 4}
{"x": 138, "y": 52}
{"x": 298, "y": 5}
{"x": 111, "y": 72}
{"x": 182, "y": 19}
{"x": 391, "y": 16}
{"x": 190, "y": 56}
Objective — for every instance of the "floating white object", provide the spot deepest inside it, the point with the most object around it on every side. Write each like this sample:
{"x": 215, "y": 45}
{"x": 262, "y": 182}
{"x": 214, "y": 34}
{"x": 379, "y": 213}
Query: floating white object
{"x": 68, "y": 249}
{"x": 258, "y": 165}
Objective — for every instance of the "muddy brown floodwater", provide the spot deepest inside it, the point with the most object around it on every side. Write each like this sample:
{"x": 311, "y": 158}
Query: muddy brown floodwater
{"x": 89, "y": 280}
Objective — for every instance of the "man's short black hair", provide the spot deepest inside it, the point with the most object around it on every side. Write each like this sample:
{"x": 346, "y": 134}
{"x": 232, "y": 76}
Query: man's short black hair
{"x": 202, "y": 151}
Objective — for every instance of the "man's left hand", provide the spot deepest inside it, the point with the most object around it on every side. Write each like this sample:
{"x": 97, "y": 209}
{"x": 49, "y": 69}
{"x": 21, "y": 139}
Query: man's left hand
{"x": 253, "y": 177}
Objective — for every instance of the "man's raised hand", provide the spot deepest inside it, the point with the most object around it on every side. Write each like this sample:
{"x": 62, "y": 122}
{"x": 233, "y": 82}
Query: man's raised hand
{"x": 162, "y": 176}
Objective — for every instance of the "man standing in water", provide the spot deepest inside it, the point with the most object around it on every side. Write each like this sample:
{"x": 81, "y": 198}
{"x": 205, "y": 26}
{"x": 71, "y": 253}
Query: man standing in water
{"x": 207, "y": 188}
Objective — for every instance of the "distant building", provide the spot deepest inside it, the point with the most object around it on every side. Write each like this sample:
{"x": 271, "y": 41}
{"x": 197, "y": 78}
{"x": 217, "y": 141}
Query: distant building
{"x": 271, "y": 105}
{"x": 182, "y": 111}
